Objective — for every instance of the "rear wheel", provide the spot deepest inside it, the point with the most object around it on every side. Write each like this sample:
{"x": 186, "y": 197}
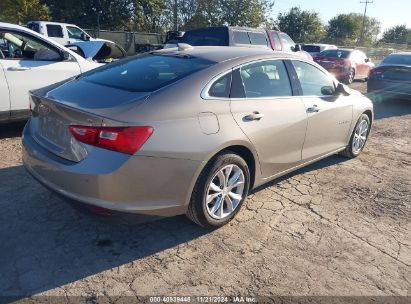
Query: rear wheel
{"x": 358, "y": 138}
{"x": 350, "y": 77}
{"x": 220, "y": 191}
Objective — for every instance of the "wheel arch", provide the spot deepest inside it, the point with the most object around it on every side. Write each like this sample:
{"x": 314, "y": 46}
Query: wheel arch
{"x": 242, "y": 149}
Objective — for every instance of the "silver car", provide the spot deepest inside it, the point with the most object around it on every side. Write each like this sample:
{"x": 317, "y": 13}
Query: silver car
{"x": 189, "y": 130}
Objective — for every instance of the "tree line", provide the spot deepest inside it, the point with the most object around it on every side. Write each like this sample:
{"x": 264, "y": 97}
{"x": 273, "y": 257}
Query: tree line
{"x": 161, "y": 15}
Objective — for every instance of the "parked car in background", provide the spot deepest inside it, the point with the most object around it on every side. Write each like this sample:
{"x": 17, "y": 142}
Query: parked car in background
{"x": 98, "y": 51}
{"x": 172, "y": 39}
{"x": 314, "y": 49}
{"x": 30, "y": 61}
{"x": 189, "y": 131}
{"x": 345, "y": 64}
{"x": 391, "y": 78}
{"x": 243, "y": 36}
{"x": 62, "y": 33}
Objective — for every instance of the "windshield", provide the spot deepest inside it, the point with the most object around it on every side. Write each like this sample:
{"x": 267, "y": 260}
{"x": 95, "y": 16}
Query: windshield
{"x": 335, "y": 53}
{"x": 398, "y": 59}
{"x": 146, "y": 73}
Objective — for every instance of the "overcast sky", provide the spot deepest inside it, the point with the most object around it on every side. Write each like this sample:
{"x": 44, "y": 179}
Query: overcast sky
{"x": 388, "y": 12}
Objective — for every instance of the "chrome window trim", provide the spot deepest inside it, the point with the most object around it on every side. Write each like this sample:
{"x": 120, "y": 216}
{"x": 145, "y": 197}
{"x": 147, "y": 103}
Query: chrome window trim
{"x": 204, "y": 92}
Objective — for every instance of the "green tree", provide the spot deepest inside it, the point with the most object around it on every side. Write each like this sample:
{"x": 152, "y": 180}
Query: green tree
{"x": 149, "y": 15}
{"x": 301, "y": 25}
{"x": 397, "y": 34}
{"x": 345, "y": 29}
{"x": 21, "y": 11}
{"x": 250, "y": 13}
{"x": 109, "y": 14}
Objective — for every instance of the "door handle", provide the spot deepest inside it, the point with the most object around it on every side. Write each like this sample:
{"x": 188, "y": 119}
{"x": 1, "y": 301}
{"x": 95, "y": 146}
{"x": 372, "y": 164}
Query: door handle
{"x": 18, "y": 69}
{"x": 255, "y": 116}
{"x": 313, "y": 109}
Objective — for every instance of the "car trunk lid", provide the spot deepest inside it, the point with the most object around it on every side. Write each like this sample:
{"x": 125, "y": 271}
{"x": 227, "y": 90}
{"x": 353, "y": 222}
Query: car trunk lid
{"x": 54, "y": 112}
{"x": 393, "y": 73}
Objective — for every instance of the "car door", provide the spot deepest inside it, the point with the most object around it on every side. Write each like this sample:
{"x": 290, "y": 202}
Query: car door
{"x": 329, "y": 115}
{"x": 263, "y": 105}
{"x": 4, "y": 95}
{"x": 32, "y": 63}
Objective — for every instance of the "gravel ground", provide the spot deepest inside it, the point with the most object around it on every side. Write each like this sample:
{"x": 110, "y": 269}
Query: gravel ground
{"x": 338, "y": 227}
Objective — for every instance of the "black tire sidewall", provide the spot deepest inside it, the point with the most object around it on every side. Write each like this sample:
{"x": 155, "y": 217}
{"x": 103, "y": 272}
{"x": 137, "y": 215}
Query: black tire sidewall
{"x": 199, "y": 200}
{"x": 362, "y": 117}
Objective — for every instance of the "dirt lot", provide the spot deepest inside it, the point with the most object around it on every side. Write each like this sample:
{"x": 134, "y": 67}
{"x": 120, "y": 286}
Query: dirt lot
{"x": 339, "y": 227}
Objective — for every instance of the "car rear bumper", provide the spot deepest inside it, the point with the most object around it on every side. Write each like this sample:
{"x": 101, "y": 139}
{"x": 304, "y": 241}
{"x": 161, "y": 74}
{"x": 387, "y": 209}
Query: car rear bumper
{"x": 388, "y": 89}
{"x": 150, "y": 186}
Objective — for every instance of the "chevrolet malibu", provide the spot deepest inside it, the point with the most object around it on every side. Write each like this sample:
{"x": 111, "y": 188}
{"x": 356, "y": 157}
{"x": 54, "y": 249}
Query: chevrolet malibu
{"x": 189, "y": 130}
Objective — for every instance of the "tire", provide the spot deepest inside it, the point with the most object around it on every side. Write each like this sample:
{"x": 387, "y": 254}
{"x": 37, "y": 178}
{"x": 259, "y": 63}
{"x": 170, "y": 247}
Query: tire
{"x": 350, "y": 78}
{"x": 352, "y": 151}
{"x": 199, "y": 210}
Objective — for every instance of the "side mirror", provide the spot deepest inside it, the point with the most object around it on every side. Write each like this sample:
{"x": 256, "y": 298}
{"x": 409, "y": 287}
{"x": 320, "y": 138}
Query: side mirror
{"x": 297, "y": 48}
{"x": 341, "y": 90}
{"x": 328, "y": 90}
{"x": 84, "y": 37}
{"x": 64, "y": 56}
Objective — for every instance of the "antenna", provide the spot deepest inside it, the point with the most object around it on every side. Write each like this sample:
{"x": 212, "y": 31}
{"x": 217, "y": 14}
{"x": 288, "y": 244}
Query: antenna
{"x": 366, "y": 2}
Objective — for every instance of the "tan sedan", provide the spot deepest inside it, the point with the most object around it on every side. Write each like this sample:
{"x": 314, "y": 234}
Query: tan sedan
{"x": 189, "y": 130}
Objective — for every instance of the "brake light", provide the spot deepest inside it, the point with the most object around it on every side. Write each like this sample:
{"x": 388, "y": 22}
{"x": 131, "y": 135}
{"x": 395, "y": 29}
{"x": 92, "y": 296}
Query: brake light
{"x": 121, "y": 139}
{"x": 375, "y": 72}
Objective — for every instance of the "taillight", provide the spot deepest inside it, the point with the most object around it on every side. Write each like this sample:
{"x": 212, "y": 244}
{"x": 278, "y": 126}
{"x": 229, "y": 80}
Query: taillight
{"x": 121, "y": 139}
{"x": 375, "y": 72}
{"x": 343, "y": 62}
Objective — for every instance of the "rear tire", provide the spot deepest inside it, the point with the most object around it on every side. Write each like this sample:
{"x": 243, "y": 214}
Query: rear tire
{"x": 358, "y": 138}
{"x": 350, "y": 78}
{"x": 220, "y": 191}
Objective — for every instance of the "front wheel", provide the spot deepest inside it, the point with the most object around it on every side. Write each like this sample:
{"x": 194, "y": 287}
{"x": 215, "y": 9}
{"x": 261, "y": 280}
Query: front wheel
{"x": 220, "y": 191}
{"x": 359, "y": 137}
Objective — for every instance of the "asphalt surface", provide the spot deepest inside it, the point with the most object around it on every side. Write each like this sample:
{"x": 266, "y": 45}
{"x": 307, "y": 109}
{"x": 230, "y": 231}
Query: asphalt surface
{"x": 339, "y": 227}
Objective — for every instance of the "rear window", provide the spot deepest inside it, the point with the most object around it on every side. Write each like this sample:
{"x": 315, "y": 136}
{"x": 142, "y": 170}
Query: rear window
{"x": 335, "y": 53}
{"x": 54, "y": 31}
{"x": 311, "y": 48}
{"x": 146, "y": 73}
{"x": 398, "y": 59}
{"x": 210, "y": 36}
{"x": 258, "y": 38}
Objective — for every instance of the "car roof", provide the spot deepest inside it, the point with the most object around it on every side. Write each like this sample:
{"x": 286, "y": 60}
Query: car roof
{"x": 54, "y": 23}
{"x": 401, "y": 53}
{"x": 240, "y": 28}
{"x": 224, "y": 53}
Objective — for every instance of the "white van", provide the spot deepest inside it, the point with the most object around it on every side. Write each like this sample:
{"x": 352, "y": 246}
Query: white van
{"x": 62, "y": 33}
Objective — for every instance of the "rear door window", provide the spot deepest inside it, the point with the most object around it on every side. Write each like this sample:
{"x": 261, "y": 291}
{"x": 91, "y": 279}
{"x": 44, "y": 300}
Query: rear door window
{"x": 54, "y": 30}
{"x": 146, "y": 73}
{"x": 257, "y": 38}
{"x": 241, "y": 37}
{"x": 266, "y": 79}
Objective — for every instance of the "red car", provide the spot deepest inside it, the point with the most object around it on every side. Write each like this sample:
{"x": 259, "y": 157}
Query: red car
{"x": 345, "y": 64}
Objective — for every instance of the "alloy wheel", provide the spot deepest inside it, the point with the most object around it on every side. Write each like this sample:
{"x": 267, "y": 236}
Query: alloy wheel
{"x": 225, "y": 192}
{"x": 360, "y": 136}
